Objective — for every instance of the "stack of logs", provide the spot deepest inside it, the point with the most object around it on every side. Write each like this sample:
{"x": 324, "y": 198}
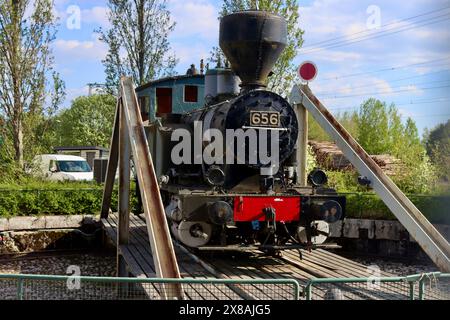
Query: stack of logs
{"x": 328, "y": 156}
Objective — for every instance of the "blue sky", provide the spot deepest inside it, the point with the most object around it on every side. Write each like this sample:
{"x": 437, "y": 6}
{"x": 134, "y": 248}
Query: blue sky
{"x": 406, "y": 62}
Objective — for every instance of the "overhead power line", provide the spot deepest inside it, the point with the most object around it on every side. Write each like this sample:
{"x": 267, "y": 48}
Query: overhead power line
{"x": 385, "y": 25}
{"x": 402, "y": 104}
{"x": 377, "y": 34}
{"x": 372, "y": 37}
{"x": 395, "y": 87}
{"x": 387, "y": 69}
{"x": 384, "y": 93}
{"x": 390, "y": 81}
{"x": 426, "y": 115}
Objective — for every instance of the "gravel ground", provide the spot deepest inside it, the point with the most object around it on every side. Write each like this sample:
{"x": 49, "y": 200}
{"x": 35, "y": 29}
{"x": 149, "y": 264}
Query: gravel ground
{"x": 90, "y": 264}
{"x": 104, "y": 264}
{"x": 398, "y": 268}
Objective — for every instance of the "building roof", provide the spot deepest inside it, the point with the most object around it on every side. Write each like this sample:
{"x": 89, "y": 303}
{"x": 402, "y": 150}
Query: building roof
{"x": 64, "y": 148}
{"x": 173, "y": 78}
{"x": 62, "y": 157}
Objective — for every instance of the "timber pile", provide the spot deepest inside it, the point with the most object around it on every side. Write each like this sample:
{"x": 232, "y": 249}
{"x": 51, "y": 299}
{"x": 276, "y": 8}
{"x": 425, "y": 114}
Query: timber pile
{"x": 328, "y": 156}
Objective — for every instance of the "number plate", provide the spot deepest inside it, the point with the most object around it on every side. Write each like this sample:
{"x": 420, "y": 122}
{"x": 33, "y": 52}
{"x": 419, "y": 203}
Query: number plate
{"x": 265, "y": 118}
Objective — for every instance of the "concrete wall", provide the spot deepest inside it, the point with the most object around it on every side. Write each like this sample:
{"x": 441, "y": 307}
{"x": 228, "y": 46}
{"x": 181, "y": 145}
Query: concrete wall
{"x": 376, "y": 229}
{"x": 31, "y": 234}
{"x": 44, "y": 222}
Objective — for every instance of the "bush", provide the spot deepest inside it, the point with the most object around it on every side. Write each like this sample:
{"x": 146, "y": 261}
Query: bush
{"x": 370, "y": 206}
{"x": 55, "y": 198}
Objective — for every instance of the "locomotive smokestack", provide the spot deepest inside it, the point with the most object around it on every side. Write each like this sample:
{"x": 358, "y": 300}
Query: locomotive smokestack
{"x": 252, "y": 42}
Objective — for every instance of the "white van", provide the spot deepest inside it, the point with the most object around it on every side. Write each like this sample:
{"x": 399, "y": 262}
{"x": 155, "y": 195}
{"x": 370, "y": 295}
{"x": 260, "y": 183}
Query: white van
{"x": 58, "y": 167}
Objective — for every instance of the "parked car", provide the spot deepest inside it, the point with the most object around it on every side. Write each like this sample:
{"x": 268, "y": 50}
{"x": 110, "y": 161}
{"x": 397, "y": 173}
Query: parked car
{"x": 58, "y": 167}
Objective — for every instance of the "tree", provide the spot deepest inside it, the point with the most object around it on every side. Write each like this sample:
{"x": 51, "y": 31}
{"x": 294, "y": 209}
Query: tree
{"x": 137, "y": 41}
{"x": 284, "y": 71}
{"x": 349, "y": 120}
{"x": 437, "y": 143}
{"x": 26, "y": 64}
{"x": 88, "y": 122}
{"x": 381, "y": 131}
{"x": 373, "y": 127}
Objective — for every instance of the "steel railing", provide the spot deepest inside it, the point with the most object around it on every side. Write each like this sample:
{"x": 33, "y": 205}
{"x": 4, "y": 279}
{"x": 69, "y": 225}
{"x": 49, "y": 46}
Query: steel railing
{"x": 426, "y": 286}
{"x": 54, "y": 287}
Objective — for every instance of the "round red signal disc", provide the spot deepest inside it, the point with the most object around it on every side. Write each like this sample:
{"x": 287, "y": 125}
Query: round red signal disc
{"x": 307, "y": 71}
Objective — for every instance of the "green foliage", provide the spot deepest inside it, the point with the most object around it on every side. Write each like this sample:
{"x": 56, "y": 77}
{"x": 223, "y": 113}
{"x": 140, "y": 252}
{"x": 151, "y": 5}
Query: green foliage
{"x": 88, "y": 122}
{"x": 378, "y": 128}
{"x": 370, "y": 206}
{"x": 418, "y": 176}
{"x": 373, "y": 127}
{"x": 311, "y": 162}
{"x": 34, "y": 197}
{"x": 349, "y": 120}
{"x": 344, "y": 181}
{"x": 29, "y": 86}
{"x": 381, "y": 131}
{"x": 437, "y": 143}
{"x": 315, "y": 131}
{"x": 284, "y": 71}
{"x": 138, "y": 41}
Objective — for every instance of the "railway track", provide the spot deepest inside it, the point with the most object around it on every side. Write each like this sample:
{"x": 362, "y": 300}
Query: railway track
{"x": 248, "y": 265}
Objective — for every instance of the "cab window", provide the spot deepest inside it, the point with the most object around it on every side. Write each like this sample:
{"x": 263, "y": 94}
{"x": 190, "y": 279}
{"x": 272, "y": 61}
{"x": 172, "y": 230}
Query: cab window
{"x": 190, "y": 94}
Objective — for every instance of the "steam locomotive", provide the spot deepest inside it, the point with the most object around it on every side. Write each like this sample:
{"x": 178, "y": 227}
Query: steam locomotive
{"x": 229, "y": 176}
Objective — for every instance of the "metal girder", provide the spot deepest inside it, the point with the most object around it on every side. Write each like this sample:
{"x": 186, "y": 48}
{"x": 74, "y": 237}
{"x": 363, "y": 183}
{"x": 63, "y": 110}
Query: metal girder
{"x": 123, "y": 230}
{"x": 128, "y": 138}
{"x": 426, "y": 235}
{"x": 112, "y": 165}
{"x": 302, "y": 145}
{"x": 158, "y": 230}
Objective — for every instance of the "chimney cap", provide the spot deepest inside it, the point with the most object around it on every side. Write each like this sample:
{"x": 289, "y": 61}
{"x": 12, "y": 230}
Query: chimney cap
{"x": 252, "y": 42}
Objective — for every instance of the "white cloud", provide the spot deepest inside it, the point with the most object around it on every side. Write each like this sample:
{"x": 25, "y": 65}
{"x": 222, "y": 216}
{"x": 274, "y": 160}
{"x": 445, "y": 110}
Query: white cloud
{"x": 194, "y": 18}
{"x": 82, "y": 50}
{"x": 97, "y": 15}
{"x": 191, "y": 54}
{"x": 411, "y": 89}
{"x": 73, "y": 93}
{"x": 407, "y": 113}
{"x": 333, "y": 56}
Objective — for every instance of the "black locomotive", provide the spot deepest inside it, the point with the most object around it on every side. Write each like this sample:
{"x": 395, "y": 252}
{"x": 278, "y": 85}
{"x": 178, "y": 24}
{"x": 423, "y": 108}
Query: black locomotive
{"x": 237, "y": 186}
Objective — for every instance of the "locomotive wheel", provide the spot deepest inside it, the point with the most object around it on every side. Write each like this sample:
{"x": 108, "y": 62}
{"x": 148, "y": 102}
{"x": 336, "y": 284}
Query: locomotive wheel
{"x": 193, "y": 233}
